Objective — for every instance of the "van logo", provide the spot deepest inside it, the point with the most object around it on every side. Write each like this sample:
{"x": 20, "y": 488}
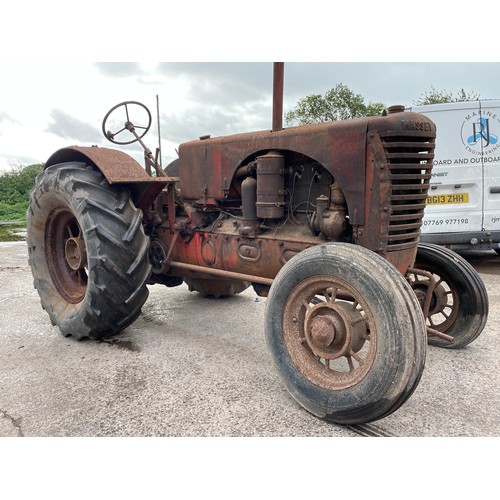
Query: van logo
{"x": 481, "y": 130}
{"x": 478, "y": 134}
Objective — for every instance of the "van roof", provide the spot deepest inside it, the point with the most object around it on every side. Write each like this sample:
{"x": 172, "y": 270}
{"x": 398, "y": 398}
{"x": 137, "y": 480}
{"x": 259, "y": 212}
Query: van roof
{"x": 490, "y": 103}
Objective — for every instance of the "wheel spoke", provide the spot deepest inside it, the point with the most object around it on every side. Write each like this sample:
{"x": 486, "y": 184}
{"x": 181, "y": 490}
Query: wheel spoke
{"x": 359, "y": 359}
{"x": 119, "y": 131}
{"x": 350, "y": 363}
{"x": 331, "y": 293}
{"x": 307, "y": 305}
{"x": 358, "y": 320}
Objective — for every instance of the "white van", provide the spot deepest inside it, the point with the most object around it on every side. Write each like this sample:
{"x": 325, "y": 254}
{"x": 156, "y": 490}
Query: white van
{"x": 463, "y": 206}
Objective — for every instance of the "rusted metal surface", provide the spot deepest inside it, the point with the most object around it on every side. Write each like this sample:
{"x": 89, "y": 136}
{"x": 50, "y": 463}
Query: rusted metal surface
{"x": 118, "y": 168}
{"x": 207, "y": 167}
{"x": 332, "y": 342}
{"x": 278, "y": 79}
{"x": 66, "y": 255}
{"x": 210, "y": 271}
{"x": 436, "y": 333}
{"x": 439, "y": 300}
{"x": 223, "y": 245}
{"x": 380, "y": 167}
{"x": 270, "y": 186}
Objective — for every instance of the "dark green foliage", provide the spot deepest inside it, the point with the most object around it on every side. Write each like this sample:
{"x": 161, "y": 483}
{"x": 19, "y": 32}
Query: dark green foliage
{"x": 339, "y": 103}
{"x": 15, "y": 187}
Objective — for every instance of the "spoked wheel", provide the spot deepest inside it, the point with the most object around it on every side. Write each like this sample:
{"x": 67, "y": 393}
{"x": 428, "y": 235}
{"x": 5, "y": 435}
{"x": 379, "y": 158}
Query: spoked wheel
{"x": 216, "y": 287}
{"x": 459, "y": 302}
{"x": 87, "y": 251}
{"x": 346, "y": 333}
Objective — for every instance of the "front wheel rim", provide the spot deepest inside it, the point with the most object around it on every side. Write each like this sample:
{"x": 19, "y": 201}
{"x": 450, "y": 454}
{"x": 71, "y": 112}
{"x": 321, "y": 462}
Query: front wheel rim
{"x": 445, "y": 301}
{"x": 329, "y": 332}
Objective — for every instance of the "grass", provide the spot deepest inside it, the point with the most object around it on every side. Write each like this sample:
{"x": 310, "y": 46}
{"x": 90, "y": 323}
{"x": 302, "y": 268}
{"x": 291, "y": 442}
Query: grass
{"x": 8, "y": 231}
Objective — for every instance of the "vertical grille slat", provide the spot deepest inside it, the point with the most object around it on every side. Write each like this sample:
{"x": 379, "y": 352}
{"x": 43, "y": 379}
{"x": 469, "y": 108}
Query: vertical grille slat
{"x": 409, "y": 159}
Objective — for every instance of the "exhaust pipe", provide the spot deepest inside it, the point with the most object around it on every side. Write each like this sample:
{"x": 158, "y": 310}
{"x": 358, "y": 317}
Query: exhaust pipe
{"x": 278, "y": 75}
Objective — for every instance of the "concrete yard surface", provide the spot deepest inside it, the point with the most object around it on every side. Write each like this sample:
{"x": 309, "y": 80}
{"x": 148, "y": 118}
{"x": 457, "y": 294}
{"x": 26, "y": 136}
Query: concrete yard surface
{"x": 192, "y": 366}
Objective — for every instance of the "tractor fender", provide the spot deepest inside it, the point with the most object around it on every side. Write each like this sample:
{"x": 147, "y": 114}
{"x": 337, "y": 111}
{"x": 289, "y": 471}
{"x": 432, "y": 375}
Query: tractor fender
{"x": 117, "y": 167}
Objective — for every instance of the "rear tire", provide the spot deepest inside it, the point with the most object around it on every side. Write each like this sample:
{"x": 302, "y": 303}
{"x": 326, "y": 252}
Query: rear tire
{"x": 87, "y": 251}
{"x": 346, "y": 333}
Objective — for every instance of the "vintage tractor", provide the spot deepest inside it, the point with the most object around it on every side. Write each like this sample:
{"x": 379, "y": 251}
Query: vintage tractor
{"x": 323, "y": 220}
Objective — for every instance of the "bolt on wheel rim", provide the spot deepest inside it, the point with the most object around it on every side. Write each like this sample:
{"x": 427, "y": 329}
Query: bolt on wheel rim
{"x": 329, "y": 332}
{"x": 66, "y": 255}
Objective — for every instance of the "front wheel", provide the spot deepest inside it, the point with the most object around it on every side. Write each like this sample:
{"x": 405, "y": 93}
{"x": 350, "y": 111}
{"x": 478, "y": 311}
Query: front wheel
{"x": 459, "y": 303}
{"x": 346, "y": 333}
{"x": 87, "y": 251}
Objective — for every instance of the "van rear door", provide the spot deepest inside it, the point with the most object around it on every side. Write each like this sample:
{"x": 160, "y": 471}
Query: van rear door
{"x": 488, "y": 131}
{"x": 455, "y": 202}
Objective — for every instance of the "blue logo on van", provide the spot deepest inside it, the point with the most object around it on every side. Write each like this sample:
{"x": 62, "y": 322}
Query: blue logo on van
{"x": 481, "y": 130}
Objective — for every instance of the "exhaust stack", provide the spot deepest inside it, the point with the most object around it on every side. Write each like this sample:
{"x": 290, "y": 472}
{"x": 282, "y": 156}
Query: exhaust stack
{"x": 278, "y": 74}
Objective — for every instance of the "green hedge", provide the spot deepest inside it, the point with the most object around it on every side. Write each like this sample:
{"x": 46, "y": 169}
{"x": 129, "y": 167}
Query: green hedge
{"x": 15, "y": 187}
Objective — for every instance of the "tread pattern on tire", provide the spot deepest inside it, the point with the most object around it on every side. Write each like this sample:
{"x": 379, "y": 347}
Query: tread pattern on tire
{"x": 117, "y": 250}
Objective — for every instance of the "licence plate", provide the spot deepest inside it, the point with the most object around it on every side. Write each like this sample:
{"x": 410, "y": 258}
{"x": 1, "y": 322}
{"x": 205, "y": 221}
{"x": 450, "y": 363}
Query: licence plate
{"x": 445, "y": 199}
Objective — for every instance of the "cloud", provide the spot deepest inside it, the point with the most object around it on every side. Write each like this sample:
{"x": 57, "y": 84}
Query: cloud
{"x": 15, "y": 162}
{"x": 68, "y": 127}
{"x": 118, "y": 69}
{"x": 6, "y": 119}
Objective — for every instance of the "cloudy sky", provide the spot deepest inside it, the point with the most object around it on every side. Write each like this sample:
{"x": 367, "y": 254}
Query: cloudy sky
{"x": 47, "y": 106}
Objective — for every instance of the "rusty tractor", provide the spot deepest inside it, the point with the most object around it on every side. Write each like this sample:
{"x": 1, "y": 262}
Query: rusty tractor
{"x": 323, "y": 220}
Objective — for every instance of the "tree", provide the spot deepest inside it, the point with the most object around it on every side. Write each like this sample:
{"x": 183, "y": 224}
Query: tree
{"x": 338, "y": 103}
{"x": 434, "y": 96}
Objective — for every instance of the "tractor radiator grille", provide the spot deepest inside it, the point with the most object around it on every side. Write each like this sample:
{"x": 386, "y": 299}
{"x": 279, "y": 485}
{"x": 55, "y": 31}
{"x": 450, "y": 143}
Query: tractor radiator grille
{"x": 409, "y": 159}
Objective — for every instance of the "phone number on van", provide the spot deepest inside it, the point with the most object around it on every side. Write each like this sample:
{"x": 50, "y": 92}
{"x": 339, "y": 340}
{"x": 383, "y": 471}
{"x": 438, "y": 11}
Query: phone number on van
{"x": 448, "y": 222}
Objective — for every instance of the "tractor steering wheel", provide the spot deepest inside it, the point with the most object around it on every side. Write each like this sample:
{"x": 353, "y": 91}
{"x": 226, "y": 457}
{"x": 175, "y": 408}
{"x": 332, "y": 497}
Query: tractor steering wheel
{"x": 127, "y": 124}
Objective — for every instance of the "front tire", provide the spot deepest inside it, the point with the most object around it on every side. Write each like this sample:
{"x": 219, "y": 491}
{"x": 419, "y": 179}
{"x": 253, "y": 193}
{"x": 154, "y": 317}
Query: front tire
{"x": 459, "y": 305}
{"x": 346, "y": 333}
{"x": 87, "y": 251}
